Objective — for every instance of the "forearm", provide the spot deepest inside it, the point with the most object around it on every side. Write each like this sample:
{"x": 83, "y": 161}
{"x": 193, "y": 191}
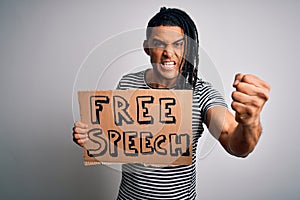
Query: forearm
{"x": 244, "y": 139}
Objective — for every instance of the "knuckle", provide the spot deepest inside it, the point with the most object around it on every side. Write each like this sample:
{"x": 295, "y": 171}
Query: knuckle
{"x": 239, "y": 75}
{"x": 246, "y": 77}
{"x": 259, "y": 103}
{"x": 263, "y": 94}
{"x": 267, "y": 95}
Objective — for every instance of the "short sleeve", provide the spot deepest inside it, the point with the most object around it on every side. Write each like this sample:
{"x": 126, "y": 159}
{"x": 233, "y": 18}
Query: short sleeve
{"x": 208, "y": 97}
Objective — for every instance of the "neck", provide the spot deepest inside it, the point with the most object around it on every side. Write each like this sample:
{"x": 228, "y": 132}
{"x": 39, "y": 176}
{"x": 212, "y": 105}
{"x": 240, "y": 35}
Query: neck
{"x": 157, "y": 82}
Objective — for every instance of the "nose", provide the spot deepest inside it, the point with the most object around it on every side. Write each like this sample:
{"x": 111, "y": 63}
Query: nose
{"x": 168, "y": 51}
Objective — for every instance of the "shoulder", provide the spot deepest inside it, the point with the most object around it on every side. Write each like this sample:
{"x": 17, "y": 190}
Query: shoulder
{"x": 134, "y": 76}
{"x": 132, "y": 80}
{"x": 203, "y": 86}
{"x": 207, "y": 95}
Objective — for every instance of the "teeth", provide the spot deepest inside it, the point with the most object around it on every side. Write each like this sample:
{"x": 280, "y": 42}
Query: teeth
{"x": 169, "y": 63}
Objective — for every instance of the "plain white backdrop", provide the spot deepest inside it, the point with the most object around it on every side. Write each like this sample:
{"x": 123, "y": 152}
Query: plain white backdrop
{"x": 44, "y": 43}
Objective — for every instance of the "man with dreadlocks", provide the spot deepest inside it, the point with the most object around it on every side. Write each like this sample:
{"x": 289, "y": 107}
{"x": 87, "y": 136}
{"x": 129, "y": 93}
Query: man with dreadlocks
{"x": 172, "y": 45}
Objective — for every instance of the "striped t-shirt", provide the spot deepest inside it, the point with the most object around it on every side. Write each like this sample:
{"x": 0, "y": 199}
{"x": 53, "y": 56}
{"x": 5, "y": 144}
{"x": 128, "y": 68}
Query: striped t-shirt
{"x": 174, "y": 182}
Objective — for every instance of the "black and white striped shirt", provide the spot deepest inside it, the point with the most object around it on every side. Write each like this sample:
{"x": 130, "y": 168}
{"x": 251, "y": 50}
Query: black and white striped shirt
{"x": 174, "y": 182}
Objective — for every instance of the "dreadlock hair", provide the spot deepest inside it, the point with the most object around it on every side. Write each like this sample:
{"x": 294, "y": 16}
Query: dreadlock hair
{"x": 174, "y": 17}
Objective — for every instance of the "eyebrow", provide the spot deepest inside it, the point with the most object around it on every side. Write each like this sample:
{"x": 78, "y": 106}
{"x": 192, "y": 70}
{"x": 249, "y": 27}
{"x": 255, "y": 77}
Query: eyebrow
{"x": 179, "y": 40}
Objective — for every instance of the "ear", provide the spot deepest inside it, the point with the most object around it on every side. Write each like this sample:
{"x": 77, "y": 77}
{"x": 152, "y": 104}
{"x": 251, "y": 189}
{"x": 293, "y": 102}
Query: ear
{"x": 146, "y": 47}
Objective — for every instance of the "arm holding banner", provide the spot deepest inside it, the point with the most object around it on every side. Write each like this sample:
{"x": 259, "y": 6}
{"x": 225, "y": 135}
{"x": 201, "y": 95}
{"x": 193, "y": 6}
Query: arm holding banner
{"x": 239, "y": 134}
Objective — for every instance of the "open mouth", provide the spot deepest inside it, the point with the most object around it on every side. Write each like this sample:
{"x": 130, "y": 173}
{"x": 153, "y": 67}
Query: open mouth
{"x": 168, "y": 65}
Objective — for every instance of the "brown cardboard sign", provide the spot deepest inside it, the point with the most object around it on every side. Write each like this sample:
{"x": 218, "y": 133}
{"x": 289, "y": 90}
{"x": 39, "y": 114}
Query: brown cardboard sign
{"x": 137, "y": 126}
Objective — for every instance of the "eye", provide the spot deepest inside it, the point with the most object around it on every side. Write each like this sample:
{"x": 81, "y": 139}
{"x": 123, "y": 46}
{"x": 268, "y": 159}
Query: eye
{"x": 158, "y": 44}
{"x": 178, "y": 44}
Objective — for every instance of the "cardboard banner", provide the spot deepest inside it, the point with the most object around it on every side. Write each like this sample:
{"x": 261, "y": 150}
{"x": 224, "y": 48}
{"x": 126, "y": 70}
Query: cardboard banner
{"x": 137, "y": 126}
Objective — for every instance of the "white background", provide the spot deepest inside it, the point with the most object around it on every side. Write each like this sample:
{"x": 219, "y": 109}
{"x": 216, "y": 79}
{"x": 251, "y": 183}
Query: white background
{"x": 44, "y": 43}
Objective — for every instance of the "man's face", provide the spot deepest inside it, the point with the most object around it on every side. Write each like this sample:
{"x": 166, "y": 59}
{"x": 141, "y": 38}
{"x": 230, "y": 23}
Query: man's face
{"x": 165, "y": 47}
